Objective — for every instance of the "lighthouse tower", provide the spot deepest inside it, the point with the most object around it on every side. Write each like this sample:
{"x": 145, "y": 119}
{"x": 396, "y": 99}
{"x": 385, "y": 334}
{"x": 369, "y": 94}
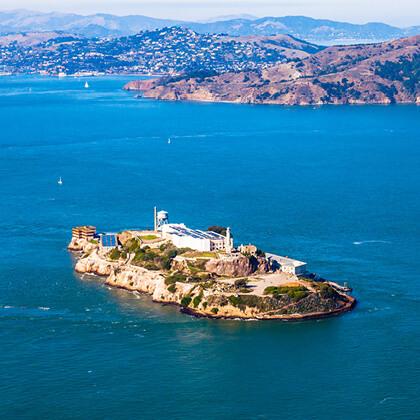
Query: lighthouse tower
{"x": 228, "y": 241}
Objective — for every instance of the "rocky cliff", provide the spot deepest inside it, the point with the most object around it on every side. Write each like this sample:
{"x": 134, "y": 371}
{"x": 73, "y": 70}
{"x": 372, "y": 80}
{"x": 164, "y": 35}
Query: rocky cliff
{"x": 214, "y": 298}
{"x": 238, "y": 266}
{"x": 141, "y": 85}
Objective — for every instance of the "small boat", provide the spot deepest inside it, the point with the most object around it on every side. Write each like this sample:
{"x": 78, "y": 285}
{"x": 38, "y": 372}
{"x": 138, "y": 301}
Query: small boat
{"x": 60, "y": 181}
{"x": 86, "y": 85}
{"x": 169, "y": 141}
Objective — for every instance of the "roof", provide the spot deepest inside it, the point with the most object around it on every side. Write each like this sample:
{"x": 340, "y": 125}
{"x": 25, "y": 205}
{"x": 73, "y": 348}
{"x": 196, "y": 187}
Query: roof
{"x": 182, "y": 230}
{"x": 285, "y": 260}
{"x": 109, "y": 240}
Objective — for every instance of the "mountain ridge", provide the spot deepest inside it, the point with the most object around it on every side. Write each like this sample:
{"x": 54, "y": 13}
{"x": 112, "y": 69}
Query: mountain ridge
{"x": 108, "y": 25}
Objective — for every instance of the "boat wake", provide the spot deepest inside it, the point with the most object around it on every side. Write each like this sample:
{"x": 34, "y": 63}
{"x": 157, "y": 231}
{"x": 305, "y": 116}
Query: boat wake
{"x": 371, "y": 242}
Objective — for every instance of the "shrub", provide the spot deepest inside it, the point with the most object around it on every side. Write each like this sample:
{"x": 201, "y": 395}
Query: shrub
{"x": 204, "y": 305}
{"x": 327, "y": 292}
{"x": 235, "y": 300}
{"x": 115, "y": 254}
{"x": 218, "y": 229}
{"x": 185, "y": 301}
{"x": 172, "y": 253}
{"x": 178, "y": 277}
{"x": 172, "y": 288}
{"x": 295, "y": 293}
{"x": 150, "y": 265}
{"x": 197, "y": 301}
{"x": 214, "y": 310}
{"x": 298, "y": 295}
{"x": 134, "y": 245}
{"x": 240, "y": 283}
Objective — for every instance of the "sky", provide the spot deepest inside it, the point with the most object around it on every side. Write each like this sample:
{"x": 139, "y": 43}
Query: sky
{"x": 395, "y": 12}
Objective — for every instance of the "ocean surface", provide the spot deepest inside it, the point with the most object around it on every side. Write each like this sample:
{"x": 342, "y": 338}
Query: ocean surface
{"x": 337, "y": 187}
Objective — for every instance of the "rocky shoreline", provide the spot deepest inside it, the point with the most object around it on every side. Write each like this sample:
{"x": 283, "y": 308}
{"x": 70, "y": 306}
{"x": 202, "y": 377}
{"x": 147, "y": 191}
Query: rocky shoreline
{"x": 212, "y": 299}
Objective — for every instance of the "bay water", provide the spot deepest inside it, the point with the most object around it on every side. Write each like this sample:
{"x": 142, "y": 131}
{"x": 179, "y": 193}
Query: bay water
{"x": 335, "y": 186}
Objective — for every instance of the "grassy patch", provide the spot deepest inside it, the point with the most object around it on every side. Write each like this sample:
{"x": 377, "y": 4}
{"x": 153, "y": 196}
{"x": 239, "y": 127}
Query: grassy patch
{"x": 148, "y": 237}
{"x": 295, "y": 293}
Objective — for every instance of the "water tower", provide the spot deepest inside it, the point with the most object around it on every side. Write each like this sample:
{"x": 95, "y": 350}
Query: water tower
{"x": 161, "y": 218}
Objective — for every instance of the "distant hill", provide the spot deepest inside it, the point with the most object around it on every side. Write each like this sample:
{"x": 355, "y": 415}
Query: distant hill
{"x": 376, "y": 73}
{"x": 97, "y": 25}
{"x": 228, "y": 17}
{"x": 106, "y": 25}
{"x": 167, "y": 51}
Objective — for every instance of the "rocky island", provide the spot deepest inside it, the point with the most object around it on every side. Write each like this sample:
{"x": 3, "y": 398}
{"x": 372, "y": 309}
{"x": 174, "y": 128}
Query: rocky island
{"x": 214, "y": 279}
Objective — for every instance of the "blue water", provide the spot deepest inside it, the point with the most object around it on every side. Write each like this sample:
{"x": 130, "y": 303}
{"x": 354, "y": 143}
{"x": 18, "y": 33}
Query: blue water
{"x": 337, "y": 187}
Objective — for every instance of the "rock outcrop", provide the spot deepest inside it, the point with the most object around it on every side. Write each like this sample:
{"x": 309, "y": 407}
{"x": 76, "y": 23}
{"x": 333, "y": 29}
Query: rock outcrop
{"x": 141, "y": 85}
{"x": 238, "y": 266}
{"x": 95, "y": 265}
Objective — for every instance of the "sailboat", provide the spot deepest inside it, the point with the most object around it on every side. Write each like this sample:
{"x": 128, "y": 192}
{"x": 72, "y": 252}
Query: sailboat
{"x": 60, "y": 181}
{"x": 86, "y": 85}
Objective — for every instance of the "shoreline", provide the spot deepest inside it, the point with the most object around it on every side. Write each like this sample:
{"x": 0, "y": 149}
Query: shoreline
{"x": 152, "y": 284}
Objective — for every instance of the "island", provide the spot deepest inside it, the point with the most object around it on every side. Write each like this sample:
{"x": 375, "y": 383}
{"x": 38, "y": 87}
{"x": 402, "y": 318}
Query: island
{"x": 204, "y": 274}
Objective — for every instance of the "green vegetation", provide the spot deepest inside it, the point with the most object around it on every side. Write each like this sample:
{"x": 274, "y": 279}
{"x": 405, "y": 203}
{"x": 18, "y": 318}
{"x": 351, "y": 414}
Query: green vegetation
{"x": 405, "y": 71}
{"x": 235, "y": 300}
{"x": 148, "y": 237}
{"x": 174, "y": 278}
{"x": 172, "y": 288}
{"x": 295, "y": 293}
{"x": 86, "y": 255}
{"x": 240, "y": 283}
{"x": 197, "y": 300}
{"x": 214, "y": 310}
{"x": 327, "y": 292}
{"x": 335, "y": 90}
{"x": 218, "y": 229}
{"x": 93, "y": 241}
{"x": 185, "y": 301}
{"x": 115, "y": 254}
{"x": 199, "y": 75}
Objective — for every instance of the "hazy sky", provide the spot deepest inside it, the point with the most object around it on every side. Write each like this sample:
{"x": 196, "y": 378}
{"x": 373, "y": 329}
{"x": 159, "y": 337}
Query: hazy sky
{"x": 396, "y": 12}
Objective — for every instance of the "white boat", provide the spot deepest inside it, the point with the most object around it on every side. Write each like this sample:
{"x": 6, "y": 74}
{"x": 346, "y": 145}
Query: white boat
{"x": 169, "y": 141}
{"x": 86, "y": 85}
{"x": 60, "y": 181}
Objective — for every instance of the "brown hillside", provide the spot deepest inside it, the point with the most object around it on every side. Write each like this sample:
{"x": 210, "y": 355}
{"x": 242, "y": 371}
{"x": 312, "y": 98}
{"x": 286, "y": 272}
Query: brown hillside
{"x": 378, "y": 73}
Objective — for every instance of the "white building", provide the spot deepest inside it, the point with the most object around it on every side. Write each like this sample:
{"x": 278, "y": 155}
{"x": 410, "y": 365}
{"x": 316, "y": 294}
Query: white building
{"x": 287, "y": 265}
{"x": 183, "y": 237}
